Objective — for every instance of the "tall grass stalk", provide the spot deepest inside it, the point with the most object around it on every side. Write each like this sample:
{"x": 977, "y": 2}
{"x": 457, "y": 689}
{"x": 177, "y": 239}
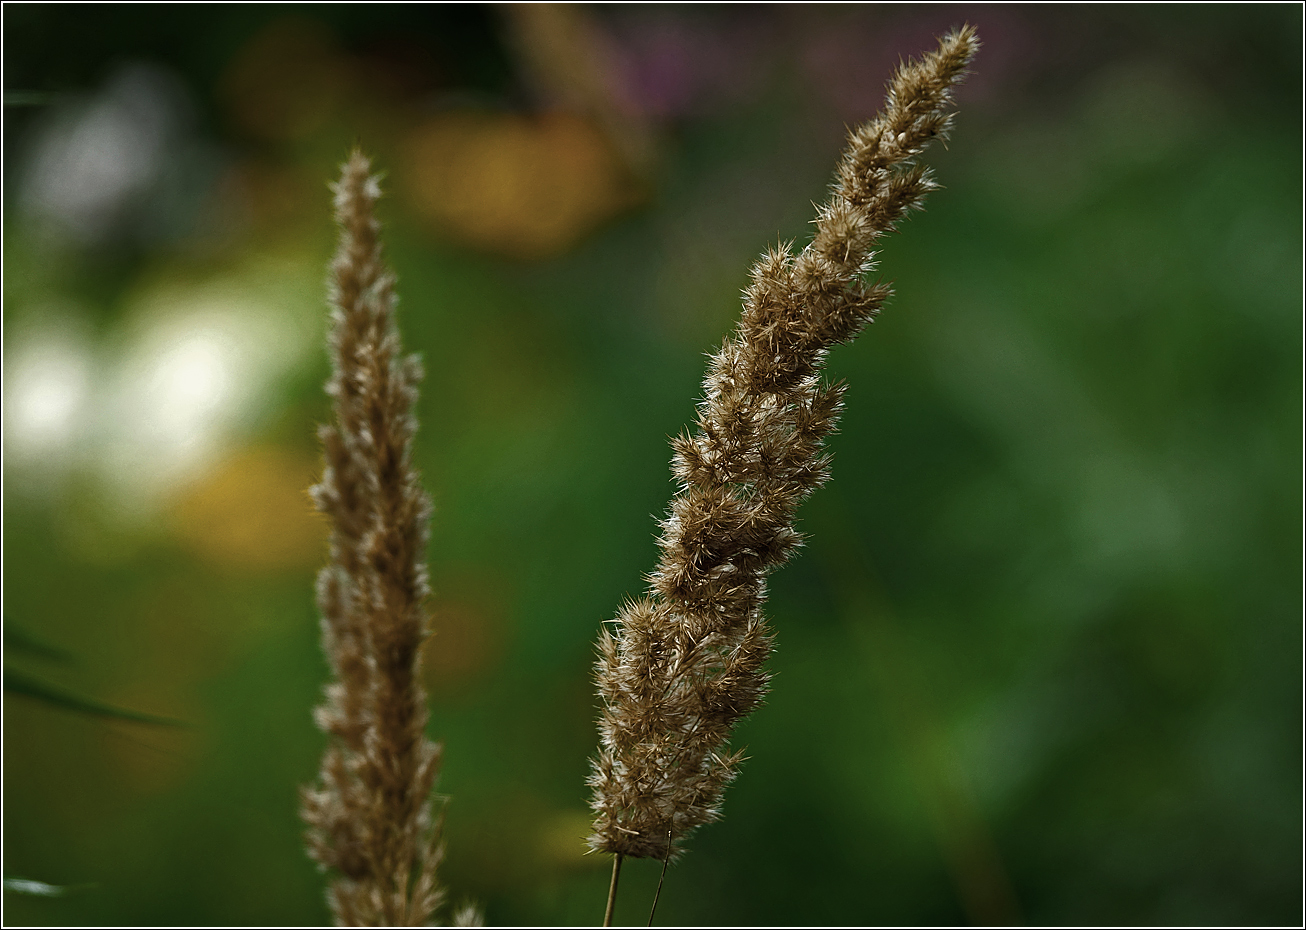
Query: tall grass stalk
{"x": 686, "y": 662}
{"x": 370, "y": 820}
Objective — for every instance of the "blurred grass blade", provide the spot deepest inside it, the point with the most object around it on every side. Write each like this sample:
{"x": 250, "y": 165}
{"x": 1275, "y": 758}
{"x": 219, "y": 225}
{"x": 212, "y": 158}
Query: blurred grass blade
{"x": 19, "y": 683}
{"x": 41, "y": 889}
{"x": 20, "y": 640}
{"x": 31, "y": 98}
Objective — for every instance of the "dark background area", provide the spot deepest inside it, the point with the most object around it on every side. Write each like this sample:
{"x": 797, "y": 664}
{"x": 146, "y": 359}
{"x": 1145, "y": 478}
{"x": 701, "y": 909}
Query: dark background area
{"x": 1041, "y": 659}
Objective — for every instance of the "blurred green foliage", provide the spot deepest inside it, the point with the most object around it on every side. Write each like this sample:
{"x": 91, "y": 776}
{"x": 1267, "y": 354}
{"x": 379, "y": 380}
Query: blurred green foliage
{"x": 1041, "y": 659}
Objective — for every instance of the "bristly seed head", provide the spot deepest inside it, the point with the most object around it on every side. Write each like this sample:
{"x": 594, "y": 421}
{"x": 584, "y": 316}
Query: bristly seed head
{"x": 686, "y": 662}
{"x": 369, "y": 818}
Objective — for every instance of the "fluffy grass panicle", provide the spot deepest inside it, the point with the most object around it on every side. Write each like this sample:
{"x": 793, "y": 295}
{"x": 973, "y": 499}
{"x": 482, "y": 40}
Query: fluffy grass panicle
{"x": 369, "y": 817}
{"x": 686, "y": 662}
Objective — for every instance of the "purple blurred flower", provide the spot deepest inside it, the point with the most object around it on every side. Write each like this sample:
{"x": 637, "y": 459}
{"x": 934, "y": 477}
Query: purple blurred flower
{"x": 674, "y": 64}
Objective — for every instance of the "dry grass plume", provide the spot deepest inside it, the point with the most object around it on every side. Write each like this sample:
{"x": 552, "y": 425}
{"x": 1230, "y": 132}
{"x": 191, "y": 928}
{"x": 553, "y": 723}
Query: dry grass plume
{"x": 370, "y": 820}
{"x": 685, "y": 663}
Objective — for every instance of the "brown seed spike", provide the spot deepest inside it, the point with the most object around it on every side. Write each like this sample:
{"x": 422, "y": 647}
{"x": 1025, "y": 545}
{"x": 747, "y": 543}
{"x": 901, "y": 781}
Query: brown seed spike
{"x": 369, "y": 817}
{"x": 686, "y": 664}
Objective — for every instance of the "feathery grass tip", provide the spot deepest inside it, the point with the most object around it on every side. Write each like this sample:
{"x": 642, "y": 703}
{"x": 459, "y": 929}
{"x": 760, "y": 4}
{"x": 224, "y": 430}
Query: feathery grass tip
{"x": 369, "y": 817}
{"x": 687, "y": 661}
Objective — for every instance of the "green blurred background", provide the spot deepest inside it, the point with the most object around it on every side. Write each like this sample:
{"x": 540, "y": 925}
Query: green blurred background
{"x": 1041, "y": 659}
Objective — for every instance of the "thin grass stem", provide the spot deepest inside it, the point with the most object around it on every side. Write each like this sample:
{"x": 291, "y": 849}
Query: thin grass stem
{"x": 612, "y": 890}
{"x": 657, "y": 894}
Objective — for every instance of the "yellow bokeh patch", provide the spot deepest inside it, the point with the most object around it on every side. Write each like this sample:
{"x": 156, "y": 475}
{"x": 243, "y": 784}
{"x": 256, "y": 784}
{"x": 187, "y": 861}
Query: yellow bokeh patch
{"x": 253, "y": 513}
{"x": 523, "y": 186}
